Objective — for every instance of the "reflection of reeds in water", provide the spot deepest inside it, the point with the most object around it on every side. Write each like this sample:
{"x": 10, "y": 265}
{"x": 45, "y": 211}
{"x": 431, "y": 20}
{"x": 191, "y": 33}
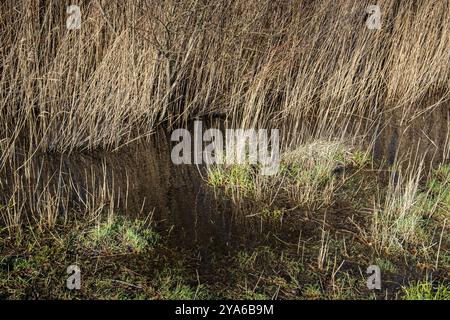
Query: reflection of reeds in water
{"x": 43, "y": 197}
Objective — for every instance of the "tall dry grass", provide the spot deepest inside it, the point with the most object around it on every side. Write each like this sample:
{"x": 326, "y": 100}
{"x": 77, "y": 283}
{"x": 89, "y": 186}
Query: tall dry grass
{"x": 310, "y": 68}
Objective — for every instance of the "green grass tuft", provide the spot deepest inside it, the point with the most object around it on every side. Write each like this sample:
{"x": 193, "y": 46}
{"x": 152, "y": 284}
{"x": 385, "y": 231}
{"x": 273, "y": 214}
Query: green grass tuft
{"x": 235, "y": 177}
{"x": 121, "y": 236}
{"x": 426, "y": 291}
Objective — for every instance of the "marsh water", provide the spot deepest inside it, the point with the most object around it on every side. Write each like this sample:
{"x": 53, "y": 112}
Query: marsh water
{"x": 140, "y": 178}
